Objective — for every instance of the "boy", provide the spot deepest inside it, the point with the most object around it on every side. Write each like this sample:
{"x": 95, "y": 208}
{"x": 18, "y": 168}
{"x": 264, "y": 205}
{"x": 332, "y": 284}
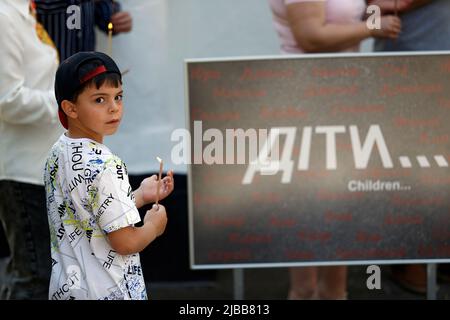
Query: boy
{"x": 91, "y": 207}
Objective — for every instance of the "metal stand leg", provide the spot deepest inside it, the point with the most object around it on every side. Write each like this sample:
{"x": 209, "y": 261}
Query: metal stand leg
{"x": 431, "y": 281}
{"x": 238, "y": 284}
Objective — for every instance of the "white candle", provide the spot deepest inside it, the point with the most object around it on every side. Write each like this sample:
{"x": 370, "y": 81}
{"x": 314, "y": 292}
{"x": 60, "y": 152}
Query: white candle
{"x": 110, "y": 31}
{"x": 159, "y": 178}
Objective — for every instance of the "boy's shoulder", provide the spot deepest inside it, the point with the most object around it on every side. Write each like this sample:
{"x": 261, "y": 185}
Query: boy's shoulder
{"x": 83, "y": 154}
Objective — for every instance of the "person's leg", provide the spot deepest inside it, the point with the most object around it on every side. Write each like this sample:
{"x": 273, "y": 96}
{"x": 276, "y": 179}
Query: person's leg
{"x": 412, "y": 277}
{"x": 333, "y": 283}
{"x": 24, "y": 217}
{"x": 4, "y": 247}
{"x": 303, "y": 283}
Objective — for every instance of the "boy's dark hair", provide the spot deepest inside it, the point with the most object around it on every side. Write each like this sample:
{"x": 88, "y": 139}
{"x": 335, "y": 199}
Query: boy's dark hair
{"x": 108, "y": 78}
{"x": 82, "y": 70}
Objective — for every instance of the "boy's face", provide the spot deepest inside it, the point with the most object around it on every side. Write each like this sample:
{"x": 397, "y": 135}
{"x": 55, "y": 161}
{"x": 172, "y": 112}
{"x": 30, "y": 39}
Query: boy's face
{"x": 99, "y": 111}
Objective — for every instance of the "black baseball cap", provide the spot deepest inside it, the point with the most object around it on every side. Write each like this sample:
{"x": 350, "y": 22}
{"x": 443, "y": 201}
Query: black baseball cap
{"x": 69, "y": 79}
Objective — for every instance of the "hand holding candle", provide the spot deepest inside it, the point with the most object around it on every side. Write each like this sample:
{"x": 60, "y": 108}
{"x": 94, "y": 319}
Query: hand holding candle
{"x": 153, "y": 189}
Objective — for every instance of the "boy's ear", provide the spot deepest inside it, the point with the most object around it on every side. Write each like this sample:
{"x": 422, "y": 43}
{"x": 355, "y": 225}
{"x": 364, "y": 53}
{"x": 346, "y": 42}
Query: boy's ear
{"x": 70, "y": 109}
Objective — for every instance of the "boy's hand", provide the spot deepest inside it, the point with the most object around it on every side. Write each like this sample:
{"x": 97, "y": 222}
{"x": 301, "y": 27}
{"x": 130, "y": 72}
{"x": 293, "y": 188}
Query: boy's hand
{"x": 122, "y": 22}
{"x": 157, "y": 216}
{"x": 130, "y": 240}
{"x": 388, "y": 6}
{"x": 391, "y": 27}
{"x": 146, "y": 193}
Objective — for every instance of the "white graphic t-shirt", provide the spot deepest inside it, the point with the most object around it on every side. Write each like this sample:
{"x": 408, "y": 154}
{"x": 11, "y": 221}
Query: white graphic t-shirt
{"x": 88, "y": 196}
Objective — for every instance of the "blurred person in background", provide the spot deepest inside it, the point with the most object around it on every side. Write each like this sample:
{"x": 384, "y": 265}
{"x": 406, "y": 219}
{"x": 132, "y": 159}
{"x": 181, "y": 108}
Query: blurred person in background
{"x": 313, "y": 26}
{"x": 425, "y": 27}
{"x": 28, "y": 127}
{"x": 56, "y": 18}
{"x": 71, "y": 33}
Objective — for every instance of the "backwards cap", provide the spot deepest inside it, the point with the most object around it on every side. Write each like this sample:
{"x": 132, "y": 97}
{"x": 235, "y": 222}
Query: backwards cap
{"x": 69, "y": 80}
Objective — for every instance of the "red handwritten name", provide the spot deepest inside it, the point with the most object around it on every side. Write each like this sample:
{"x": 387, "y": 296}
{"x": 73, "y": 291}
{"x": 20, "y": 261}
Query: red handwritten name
{"x": 443, "y": 251}
{"x": 405, "y": 122}
{"x": 383, "y": 173}
{"x": 225, "y": 178}
{"x": 239, "y": 93}
{"x": 229, "y": 255}
{"x": 425, "y": 251}
{"x": 403, "y": 219}
{"x": 446, "y": 66}
{"x": 299, "y": 255}
{"x": 400, "y": 201}
{"x": 322, "y": 236}
{"x": 390, "y": 70}
{"x": 425, "y": 138}
{"x": 198, "y": 114}
{"x": 282, "y": 222}
{"x": 211, "y": 200}
{"x": 356, "y": 110}
{"x": 444, "y": 103}
{"x": 338, "y": 196}
{"x": 249, "y": 238}
{"x": 344, "y": 253}
{"x": 319, "y": 91}
{"x": 335, "y": 72}
{"x": 441, "y": 234}
{"x": 262, "y": 74}
{"x": 224, "y": 221}
{"x": 266, "y": 197}
{"x": 312, "y": 173}
{"x": 203, "y": 74}
{"x": 434, "y": 181}
{"x": 366, "y": 237}
{"x": 282, "y": 113}
{"x": 331, "y": 216}
{"x": 395, "y": 90}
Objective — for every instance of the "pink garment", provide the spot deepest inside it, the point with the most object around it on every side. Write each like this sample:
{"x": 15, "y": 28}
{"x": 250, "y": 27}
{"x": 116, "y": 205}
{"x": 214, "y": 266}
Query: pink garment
{"x": 337, "y": 11}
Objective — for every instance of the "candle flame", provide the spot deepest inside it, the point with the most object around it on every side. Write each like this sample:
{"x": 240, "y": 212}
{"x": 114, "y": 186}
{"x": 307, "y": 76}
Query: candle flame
{"x": 110, "y": 26}
{"x": 159, "y": 159}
